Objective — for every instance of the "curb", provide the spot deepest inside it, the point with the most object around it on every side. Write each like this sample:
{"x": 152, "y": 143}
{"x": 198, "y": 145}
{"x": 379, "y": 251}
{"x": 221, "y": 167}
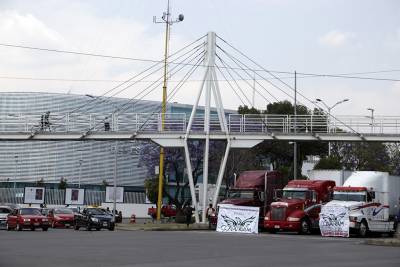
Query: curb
{"x": 383, "y": 242}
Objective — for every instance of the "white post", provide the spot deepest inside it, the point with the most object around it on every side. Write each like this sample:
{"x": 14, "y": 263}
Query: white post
{"x": 191, "y": 182}
{"x": 115, "y": 181}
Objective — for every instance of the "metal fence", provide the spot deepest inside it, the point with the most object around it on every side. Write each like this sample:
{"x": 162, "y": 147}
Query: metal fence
{"x": 57, "y": 196}
{"x": 177, "y": 122}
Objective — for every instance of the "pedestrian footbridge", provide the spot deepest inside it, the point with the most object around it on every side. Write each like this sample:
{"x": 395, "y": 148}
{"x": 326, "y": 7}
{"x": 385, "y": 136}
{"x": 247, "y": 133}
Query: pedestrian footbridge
{"x": 250, "y": 128}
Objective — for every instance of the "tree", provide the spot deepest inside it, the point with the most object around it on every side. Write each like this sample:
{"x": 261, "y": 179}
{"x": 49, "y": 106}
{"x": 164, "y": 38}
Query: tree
{"x": 63, "y": 183}
{"x": 329, "y": 163}
{"x": 105, "y": 183}
{"x": 364, "y": 156}
{"x": 175, "y": 167}
{"x": 40, "y": 182}
{"x": 280, "y": 153}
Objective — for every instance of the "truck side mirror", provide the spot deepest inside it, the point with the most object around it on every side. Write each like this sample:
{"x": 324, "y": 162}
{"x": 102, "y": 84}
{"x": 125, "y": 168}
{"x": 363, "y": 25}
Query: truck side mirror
{"x": 262, "y": 196}
{"x": 373, "y": 194}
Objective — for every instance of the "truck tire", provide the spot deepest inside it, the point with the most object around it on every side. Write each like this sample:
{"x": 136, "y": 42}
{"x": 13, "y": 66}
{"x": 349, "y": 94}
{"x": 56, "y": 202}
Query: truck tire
{"x": 363, "y": 231}
{"x": 304, "y": 226}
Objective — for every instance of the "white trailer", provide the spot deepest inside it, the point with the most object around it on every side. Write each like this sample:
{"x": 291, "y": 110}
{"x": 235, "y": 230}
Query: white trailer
{"x": 370, "y": 200}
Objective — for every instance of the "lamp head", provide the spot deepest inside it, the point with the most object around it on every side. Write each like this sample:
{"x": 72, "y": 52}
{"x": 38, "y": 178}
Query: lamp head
{"x": 318, "y": 99}
{"x": 181, "y": 17}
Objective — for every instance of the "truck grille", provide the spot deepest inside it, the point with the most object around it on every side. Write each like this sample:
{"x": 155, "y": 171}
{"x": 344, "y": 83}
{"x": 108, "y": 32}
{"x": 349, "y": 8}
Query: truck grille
{"x": 278, "y": 213}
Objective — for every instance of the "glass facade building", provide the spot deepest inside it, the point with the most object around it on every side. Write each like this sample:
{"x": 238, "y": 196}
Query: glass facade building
{"x": 90, "y": 162}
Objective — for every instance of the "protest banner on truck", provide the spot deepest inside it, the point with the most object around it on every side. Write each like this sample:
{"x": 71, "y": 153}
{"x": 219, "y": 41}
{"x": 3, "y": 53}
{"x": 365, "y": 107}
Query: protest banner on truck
{"x": 334, "y": 221}
{"x": 237, "y": 219}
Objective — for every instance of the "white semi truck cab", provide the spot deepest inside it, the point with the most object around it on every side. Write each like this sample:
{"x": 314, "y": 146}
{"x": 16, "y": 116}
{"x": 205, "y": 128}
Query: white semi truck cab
{"x": 368, "y": 202}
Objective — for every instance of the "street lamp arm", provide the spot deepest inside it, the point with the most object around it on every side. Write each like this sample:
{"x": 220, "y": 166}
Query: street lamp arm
{"x": 339, "y": 102}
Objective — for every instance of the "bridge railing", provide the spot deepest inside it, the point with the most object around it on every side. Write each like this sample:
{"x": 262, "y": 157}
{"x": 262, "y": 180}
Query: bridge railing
{"x": 177, "y": 122}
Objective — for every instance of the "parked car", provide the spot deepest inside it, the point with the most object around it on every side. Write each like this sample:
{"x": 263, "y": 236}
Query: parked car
{"x": 4, "y": 211}
{"x": 94, "y": 218}
{"x": 61, "y": 217}
{"x": 27, "y": 218}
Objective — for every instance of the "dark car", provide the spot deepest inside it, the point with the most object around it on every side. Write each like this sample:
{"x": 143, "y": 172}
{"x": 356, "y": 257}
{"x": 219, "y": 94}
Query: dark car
{"x": 94, "y": 218}
{"x": 27, "y": 218}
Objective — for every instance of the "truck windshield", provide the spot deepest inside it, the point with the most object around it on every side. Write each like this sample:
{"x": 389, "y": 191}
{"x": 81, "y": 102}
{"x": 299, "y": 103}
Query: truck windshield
{"x": 290, "y": 194}
{"x": 349, "y": 196}
{"x": 241, "y": 194}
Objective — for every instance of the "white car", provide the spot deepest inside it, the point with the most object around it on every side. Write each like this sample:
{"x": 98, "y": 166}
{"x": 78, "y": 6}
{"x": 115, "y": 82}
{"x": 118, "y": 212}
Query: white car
{"x": 4, "y": 211}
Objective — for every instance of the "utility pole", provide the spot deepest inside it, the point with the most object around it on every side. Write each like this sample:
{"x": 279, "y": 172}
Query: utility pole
{"x": 166, "y": 18}
{"x": 115, "y": 180}
{"x": 295, "y": 128}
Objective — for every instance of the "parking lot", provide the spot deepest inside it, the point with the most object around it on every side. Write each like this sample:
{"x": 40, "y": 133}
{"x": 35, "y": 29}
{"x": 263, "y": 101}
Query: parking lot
{"x": 66, "y": 247}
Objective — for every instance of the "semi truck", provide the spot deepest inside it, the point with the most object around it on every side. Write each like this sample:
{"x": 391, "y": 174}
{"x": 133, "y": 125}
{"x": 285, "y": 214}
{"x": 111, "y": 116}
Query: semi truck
{"x": 253, "y": 188}
{"x": 369, "y": 203}
{"x": 298, "y": 206}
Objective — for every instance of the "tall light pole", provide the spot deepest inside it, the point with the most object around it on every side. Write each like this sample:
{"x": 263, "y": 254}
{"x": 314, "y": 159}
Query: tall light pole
{"x": 372, "y": 119}
{"x": 15, "y": 171}
{"x": 80, "y": 172}
{"x": 115, "y": 180}
{"x": 166, "y": 18}
{"x": 295, "y": 128}
{"x": 329, "y": 108}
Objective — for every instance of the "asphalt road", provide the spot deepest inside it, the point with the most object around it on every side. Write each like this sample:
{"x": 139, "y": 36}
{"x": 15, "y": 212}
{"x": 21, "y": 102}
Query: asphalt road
{"x": 137, "y": 248}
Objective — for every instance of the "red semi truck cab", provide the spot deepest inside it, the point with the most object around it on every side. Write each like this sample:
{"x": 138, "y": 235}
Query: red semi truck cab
{"x": 253, "y": 188}
{"x": 299, "y": 206}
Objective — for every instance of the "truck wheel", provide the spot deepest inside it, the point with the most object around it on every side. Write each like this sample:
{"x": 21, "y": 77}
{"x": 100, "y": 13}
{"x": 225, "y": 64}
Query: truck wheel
{"x": 304, "y": 227}
{"x": 33, "y": 228}
{"x": 363, "y": 231}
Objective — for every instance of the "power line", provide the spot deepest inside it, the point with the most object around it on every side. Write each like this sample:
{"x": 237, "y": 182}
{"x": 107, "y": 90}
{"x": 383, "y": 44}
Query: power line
{"x": 307, "y": 75}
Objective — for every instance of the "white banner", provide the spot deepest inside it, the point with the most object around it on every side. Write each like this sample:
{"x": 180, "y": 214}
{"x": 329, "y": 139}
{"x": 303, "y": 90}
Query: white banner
{"x": 119, "y": 194}
{"x": 237, "y": 219}
{"x": 334, "y": 221}
{"x": 74, "y": 196}
{"x": 34, "y": 195}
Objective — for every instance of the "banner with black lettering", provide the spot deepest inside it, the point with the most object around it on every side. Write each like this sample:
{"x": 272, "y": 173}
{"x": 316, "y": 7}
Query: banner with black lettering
{"x": 237, "y": 219}
{"x": 334, "y": 221}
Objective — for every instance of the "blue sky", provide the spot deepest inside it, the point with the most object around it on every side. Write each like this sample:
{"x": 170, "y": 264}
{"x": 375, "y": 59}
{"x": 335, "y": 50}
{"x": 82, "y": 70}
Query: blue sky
{"x": 307, "y": 36}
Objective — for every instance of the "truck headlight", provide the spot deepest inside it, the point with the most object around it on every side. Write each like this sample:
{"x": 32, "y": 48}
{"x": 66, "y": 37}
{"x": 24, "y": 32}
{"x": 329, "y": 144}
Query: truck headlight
{"x": 95, "y": 220}
{"x": 266, "y": 218}
{"x": 293, "y": 219}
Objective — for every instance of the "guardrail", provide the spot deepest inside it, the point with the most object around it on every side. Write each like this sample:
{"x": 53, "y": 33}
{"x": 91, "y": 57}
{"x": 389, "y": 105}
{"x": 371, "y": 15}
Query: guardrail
{"x": 177, "y": 122}
{"x": 57, "y": 196}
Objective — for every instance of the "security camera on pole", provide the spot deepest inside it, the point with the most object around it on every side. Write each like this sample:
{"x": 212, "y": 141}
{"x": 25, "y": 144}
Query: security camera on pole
{"x": 166, "y": 18}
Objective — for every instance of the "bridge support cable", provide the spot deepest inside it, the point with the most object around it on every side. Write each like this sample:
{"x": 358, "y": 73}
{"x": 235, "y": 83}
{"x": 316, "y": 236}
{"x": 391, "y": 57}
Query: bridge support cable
{"x": 227, "y": 67}
{"x": 177, "y": 87}
{"x": 288, "y": 86}
{"x": 235, "y": 61}
{"x": 104, "y": 98}
{"x": 149, "y": 89}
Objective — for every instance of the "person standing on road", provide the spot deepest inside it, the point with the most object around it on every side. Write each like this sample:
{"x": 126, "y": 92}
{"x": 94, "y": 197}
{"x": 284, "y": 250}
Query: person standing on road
{"x": 188, "y": 213}
{"x": 210, "y": 212}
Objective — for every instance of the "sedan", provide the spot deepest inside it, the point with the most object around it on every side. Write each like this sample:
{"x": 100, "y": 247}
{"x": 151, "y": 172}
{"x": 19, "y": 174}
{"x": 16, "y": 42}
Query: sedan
{"x": 27, "y": 218}
{"x": 94, "y": 218}
{"x": 4, "y": 211}
{"x": 61, "y": 217}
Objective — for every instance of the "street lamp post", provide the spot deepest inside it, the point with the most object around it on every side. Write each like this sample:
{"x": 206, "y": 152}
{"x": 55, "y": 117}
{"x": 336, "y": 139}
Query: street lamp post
{"x": 15, "y": 171}
{"x": 329, "y": 108}
{"x": 166, "y": 18}
{"x": 372, "y": 119}
{"x": 80, "y": 172}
